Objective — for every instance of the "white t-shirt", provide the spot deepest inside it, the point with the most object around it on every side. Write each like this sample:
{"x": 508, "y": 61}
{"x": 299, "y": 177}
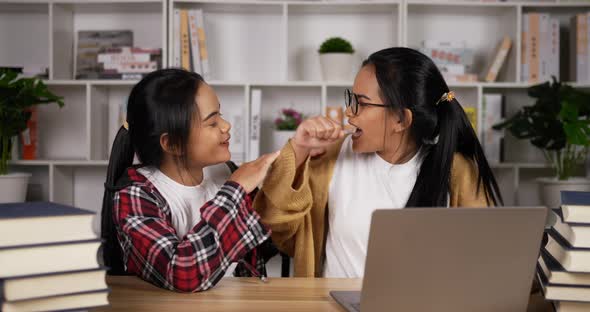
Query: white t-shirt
{"x": 184, "y": 201}
{"x": 361, "y": 183}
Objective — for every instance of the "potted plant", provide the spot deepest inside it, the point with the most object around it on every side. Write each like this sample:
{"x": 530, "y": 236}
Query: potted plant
{"x": 285, "y": 126}
{"x": 558, "y": 123}
{"x": 17, "y": 97}
{"x": 336, "y": 59}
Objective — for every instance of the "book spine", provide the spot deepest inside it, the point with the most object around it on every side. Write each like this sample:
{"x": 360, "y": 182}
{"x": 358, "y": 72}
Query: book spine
{"x": 14, "y": 154}
{"x": 544, "y": 44}
{"x": 184, "y": 40}
{"x": 471, "y": 113}
{"x": 573, "y": 48}
{"x": 203, "y": 44}
{"x": 586, "y": 56}
{"x": 524, "y": 74}
{"x": 555, "y": 43}
{"x": 194, "y": 39}
{"x": 533, "y": 47}
{"x": 29, "y": 137}
{"x": 255, "y": 123}
{"x": 499, "y": 59}
{"x": 236, "y": 117}
{"x": 492, "y": 138}
{"x": 176, "y": 36}
{"x": 582, "y": 43}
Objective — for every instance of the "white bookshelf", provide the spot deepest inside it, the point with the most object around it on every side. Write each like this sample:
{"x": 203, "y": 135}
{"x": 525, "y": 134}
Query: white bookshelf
{"x": 270, "y": 45}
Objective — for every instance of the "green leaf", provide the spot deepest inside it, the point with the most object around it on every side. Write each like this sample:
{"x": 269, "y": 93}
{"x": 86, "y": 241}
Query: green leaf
{"x": 336, "y": 45}
{"x": 17, "y": 95}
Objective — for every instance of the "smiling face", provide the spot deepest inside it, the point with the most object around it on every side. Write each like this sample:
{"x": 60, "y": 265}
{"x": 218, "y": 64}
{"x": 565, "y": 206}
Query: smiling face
{"x": 208, "y": 141}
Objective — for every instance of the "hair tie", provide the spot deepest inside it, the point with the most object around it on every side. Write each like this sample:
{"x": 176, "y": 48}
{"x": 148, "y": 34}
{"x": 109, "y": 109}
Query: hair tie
{"x": 447, "y": 97}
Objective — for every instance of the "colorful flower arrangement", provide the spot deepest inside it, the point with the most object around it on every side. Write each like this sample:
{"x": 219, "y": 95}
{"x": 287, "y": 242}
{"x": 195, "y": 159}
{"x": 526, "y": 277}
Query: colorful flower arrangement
{"x": 289, "y": 119}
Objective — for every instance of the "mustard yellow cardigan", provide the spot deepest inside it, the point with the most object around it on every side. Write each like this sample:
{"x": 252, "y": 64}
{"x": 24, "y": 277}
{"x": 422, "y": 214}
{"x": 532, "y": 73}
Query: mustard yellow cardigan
{"x": 297, "y": 217}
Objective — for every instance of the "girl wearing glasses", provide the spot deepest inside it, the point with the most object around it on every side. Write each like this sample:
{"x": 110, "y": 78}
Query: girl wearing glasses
{"x": 412, "y": 146}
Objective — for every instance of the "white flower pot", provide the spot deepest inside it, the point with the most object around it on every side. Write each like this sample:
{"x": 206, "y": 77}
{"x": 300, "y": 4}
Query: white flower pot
{"x": 336, "y": 66}
{"x": 280, "y": 138}
{"x": 13, "y": 187}
{"x": 550, "y": 189}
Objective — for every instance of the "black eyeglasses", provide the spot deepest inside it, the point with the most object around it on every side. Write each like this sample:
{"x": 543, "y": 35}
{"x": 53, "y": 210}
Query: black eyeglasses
{"x": 352, "y": 101}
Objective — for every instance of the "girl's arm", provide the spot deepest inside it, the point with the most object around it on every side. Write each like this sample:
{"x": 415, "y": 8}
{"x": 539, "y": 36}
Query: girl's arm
{"x": 228, "y": 230}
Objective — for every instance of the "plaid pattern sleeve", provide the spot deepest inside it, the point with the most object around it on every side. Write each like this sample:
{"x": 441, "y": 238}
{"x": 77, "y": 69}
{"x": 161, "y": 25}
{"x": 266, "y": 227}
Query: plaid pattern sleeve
{"x": 229, "y": 231}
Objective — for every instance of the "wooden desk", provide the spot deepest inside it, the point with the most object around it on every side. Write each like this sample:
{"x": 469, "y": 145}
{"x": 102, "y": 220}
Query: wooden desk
{"x": 240, "y": 294}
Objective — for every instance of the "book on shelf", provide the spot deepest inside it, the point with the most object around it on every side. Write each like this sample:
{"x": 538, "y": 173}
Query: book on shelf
{"x": 29, "y": 138}
{"x": 203, "y": 49}
{"x": 493, "y": 106}
{"x": 185, "y": 61}
{"x": 117, "y": 117}
{"x": 128, "y": 62}
{"x": 575, "y": 206}
{"x": 236, "y": 117}
{"x": 194, "y": 41}
{"x": 255, "y": 123}
{"x": 189, "y": 42}
{"x": 540, "y": 47}
{"x": 453, "y": 58}
{"x": 499, "y": 59}
{"x": 176, "y": 47}
{"x": 579, "y": 47}
{"x": 524, "y": 59}
{"x": 471, "y": 113}
{"x": 89, "y": 43}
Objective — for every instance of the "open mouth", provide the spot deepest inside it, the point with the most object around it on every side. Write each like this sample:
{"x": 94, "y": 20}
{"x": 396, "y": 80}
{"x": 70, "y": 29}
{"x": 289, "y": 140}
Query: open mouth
{"x": 355, "y": 131}
{"x": 226, "y": 142}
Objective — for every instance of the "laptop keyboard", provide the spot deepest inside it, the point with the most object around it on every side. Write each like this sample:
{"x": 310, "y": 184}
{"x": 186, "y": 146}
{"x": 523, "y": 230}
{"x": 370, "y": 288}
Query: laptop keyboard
{"x": 356, "y": 306}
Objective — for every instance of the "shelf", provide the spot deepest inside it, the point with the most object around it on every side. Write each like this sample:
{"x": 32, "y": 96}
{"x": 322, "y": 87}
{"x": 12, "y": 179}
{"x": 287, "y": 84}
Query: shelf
{"x": 300, "y": 83}
{"x": 521, "y": 165}
{"x": 270, "y": 45}
{"x": 45, "y": 162}
{"x": 462, "y": 3}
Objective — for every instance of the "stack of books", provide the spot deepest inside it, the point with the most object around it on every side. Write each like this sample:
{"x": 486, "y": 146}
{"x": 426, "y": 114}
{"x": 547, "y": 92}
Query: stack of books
{"x": 564, "y": 265}
{"x": 453, "y": 58}
{"x": 189, "y": 43}
{"x": 48, "y": 257}
{"x": 111, "y": 54}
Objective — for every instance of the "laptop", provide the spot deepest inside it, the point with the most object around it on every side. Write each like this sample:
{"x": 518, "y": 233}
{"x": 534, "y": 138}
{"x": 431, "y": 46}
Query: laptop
{"x": 456, "y": 259}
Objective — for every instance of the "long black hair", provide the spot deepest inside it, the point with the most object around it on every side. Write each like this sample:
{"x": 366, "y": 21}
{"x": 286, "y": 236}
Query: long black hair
{"x": 162, "y": 102}
{"x": 410, "y": 80}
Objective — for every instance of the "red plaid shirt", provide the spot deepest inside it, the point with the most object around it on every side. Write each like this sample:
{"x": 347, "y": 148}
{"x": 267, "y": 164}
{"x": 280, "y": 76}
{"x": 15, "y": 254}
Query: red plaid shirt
{"x": 229, "y": 231}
